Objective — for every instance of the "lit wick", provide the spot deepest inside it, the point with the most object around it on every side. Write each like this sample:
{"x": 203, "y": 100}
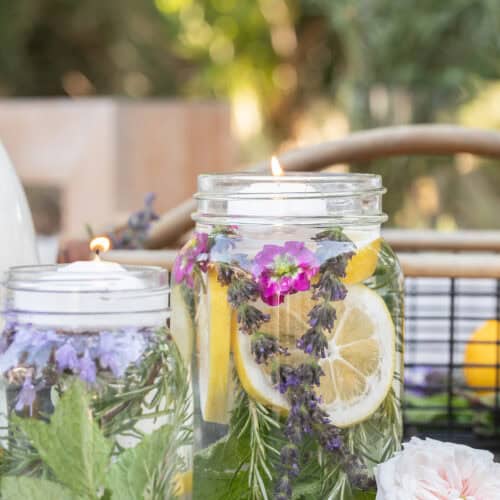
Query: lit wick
{"x": 276, "y": 169}
{"x": 98, "y": 245}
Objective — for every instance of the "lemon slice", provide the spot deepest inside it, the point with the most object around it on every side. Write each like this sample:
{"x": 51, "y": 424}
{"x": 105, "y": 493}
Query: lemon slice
{"x": 181, "y": 323}
{"x": 253, "y": 377}
{"x": 214, "y": 339}
{"x": 359, "y": 365}
{"x": 363, "y": 263}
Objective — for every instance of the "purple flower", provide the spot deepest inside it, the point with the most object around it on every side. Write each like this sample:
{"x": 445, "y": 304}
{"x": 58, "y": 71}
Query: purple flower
{"x": 195, "y": 251}
{"x": 27, "y": 395}
{"x": 33, "y": 345}
{"x": 42, "y": 345}
{"x": 117, "y": 350}
{"x": 66, "y": 357}
{"x": 87, "y": 368}
{"x": 282, "y": 270}
{"x": 134, "y": 235}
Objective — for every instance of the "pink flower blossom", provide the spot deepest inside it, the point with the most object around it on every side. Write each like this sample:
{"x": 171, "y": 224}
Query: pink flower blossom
{"x": 432, "y": 470}
{"x": 283, "y": 270}
{"x": 194, "y": 251}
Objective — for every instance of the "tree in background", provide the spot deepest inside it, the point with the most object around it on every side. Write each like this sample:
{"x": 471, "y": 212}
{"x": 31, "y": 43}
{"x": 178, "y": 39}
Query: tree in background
{"x": 295, "y": 70}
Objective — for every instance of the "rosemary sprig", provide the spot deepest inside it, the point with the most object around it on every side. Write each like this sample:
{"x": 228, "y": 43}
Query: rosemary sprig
{"x": 257, "y": 424}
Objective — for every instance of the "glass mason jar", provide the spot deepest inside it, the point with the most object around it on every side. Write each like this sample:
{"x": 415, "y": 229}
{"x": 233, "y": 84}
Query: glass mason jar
{"x": 95, "y": 396}
{"x": 296, "y": 304}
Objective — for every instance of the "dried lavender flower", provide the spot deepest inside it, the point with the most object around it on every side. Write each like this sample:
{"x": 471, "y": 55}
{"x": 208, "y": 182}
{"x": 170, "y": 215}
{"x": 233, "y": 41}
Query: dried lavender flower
{"x": 264, "y": 347}
{"x": 250, "y": 318}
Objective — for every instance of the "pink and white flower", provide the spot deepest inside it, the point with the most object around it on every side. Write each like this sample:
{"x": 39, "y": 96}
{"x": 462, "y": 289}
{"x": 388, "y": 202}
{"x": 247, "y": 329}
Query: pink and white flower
{"x": 433, "y": 470}
{"x": 283, "y": 270}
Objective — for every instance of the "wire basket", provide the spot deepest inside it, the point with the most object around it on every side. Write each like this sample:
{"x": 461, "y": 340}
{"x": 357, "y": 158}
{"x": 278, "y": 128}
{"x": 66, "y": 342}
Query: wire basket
{"x": 452, "y": 373}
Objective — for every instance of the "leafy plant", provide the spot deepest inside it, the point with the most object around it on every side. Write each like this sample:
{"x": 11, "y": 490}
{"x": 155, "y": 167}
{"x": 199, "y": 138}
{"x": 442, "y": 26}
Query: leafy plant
{"x": 75, "y": 455}
{"x": 78, "y": 456}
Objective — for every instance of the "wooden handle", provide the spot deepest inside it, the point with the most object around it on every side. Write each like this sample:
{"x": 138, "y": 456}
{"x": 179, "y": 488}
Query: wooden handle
{"x": 392, "y": 141}
{"x": 358, "y": 146}
{"x": 450, "y": 265}
{"x": 441, "y": 265}
{"x": 404, "y": 240}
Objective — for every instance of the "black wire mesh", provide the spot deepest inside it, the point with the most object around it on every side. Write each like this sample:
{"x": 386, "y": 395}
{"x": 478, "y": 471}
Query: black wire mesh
{"x": 440, "y": 401}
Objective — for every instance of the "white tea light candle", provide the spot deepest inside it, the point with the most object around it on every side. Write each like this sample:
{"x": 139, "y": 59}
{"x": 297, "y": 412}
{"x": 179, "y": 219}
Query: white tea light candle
{"x": 273, "y": 197}
{"x": 87, "y": 295}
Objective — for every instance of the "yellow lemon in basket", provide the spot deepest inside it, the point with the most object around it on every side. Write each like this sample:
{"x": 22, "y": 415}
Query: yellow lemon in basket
{"x": 361, "y": 354}
{"x": 483, "y": 348}
{"x": 213, "y": 327}
{"x": 362, "y": 265}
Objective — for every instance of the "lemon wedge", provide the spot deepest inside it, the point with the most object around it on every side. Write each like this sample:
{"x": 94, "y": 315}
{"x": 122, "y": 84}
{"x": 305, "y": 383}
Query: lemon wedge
{"x": 360, "y": 362}
{"x": 181, "y": 323}
{"x": 214, "y": 324}
{"x": 363, "y": 263}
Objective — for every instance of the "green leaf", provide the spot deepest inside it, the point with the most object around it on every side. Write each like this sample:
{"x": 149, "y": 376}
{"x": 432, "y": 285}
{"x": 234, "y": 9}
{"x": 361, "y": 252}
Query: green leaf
{"x": 310, "y": 489}
{"x": 15, "y": 488}
{"x": 364, "y": 495}
{"x": 220, "y": 485}
{"x": 71, "y": 444}
{"x": 135, "y": 470}
{"x": 217, "y": 469}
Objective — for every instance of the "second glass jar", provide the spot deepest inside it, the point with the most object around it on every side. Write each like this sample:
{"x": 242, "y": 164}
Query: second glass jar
{"x": 296, "y": 305}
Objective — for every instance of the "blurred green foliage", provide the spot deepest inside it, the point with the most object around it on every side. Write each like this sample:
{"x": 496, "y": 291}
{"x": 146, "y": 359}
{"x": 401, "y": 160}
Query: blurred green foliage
{"x": 379, "y": 62}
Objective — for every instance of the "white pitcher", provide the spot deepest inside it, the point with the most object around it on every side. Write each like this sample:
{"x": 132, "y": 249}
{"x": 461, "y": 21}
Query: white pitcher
{"x": 17, "y": 235}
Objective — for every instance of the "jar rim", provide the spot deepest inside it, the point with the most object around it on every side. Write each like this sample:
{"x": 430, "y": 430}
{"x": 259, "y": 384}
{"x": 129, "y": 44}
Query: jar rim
{"x": 324, "y": 185}
{"x": 41, "y": 279}
{"x": 299, "y": 198}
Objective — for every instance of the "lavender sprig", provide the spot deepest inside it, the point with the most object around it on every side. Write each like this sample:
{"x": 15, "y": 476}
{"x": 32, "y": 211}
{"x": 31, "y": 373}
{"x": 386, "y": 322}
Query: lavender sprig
{"x": 265, "y": 346}
{"x": 138, "y": 224}
{"x": 300, "y": 383}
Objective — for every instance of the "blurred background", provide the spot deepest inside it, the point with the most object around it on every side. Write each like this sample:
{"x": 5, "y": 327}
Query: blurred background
{"x": 239, "y": 81}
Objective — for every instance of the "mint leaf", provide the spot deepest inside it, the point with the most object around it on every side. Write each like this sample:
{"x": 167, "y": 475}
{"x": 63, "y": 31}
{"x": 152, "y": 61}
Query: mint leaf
{"x": 303, "y": 490}
{"x": 364, "y": 495}
{"x": 71, "y": 444}
{"x": 221, "y": 485}
{"x": 15, "y": 488}
{"x": 133, "y": 474}
{"x": 217, "y": 470}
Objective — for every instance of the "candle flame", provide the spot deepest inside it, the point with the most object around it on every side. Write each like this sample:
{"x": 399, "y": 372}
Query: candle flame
{"x": 276, "y": 167}
{"x": 100, "y": 244}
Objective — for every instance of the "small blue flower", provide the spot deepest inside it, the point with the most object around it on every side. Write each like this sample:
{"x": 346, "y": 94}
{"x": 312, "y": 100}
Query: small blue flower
{"x": 27, "y": 395}
{"x": 66, "y": 357}
{"x": 118, "y": 350}
{"x": 87, "y": 369}
{"x": 42, "y": 345}
{"x": 328, "y": 249}
{"x": 26, "y": 341}
{"x": 243, "y": 261}
{"x": 222, "y": 248}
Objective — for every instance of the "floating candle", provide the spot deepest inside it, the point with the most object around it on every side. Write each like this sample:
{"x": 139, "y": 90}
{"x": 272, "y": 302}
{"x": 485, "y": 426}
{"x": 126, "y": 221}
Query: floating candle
{"x": 280, "y": 196}
{"x": 88, "y": 295}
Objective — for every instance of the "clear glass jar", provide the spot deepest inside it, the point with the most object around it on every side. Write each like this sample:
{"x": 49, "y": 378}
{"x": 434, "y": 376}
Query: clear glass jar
{"x": 95, "y": 397}
{"x": 296, "y": 304}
